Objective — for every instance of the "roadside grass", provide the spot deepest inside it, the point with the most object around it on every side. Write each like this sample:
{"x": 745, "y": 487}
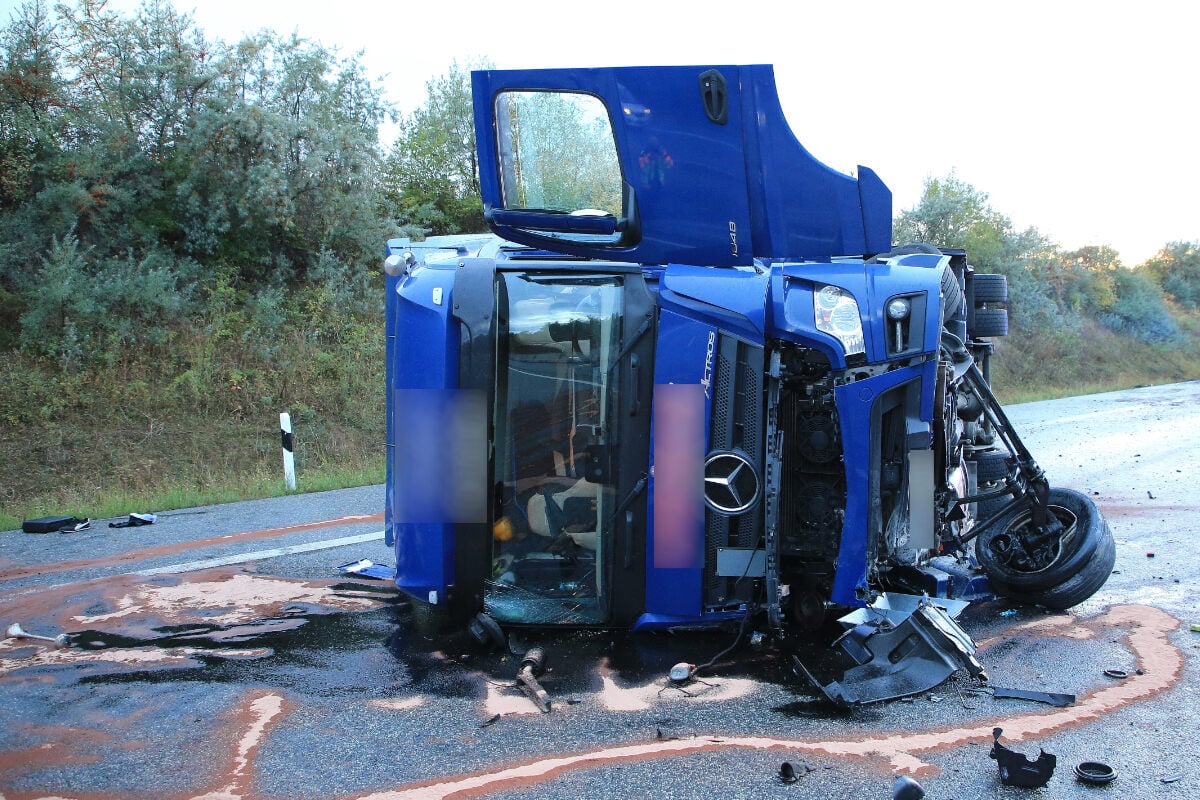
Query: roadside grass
{"x": 261, "y": 483}
{"x": 1046, "y": 365}
{"x": 193, "y": 426}
{"x": 188, "y": 431}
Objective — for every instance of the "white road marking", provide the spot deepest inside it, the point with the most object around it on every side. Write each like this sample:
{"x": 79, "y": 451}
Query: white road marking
{"x": 258, "y": 555}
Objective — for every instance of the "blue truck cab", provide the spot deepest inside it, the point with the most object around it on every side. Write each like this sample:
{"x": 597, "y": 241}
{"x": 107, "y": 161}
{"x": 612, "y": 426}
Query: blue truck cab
{"x": 687, "y": 377}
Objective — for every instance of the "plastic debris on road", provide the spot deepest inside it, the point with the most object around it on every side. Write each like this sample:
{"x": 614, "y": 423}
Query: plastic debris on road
{"x": 135, "y": 521}
{"x": 1016, "y": 769}
{"x": 366, "y": 568}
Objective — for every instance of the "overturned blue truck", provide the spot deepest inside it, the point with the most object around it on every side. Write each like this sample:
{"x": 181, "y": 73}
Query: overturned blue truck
{"x": 688, "y": 379}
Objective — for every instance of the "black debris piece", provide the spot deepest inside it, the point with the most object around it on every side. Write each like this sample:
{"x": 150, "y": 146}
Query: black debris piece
{"x": 1095, "y": 772}
{"x": 790, "y": 773}
{"x": 1050, "y": 698}
{"x": 134, "y": 521}
{"x": 49, "y": 524}
{"x": 486, "y": 631}
{"x": 1016, "y": 769}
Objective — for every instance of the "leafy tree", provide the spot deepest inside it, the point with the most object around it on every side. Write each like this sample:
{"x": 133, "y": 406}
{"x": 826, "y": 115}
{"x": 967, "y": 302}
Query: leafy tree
{"x": 1084, "y": 280}
{"x": 31, "y": 108}
{"x": 31, "y": 101}
{"x": 1139, "y": 309}
{"x": 286, "y": 166}
{"x": 133, "y": 148}
{"x": 135, "y": 85}
{"x": 1177, "y": 269}
{"x": 952, "y": 213}
{"x": 431, "y": 174}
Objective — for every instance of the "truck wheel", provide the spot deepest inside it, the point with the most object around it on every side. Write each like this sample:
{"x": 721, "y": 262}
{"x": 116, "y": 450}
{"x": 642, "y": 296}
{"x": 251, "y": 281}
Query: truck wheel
{"x": 988, "y": 287}
{"x": 1008, "y": 565}
{"x": 952, "y": 295}
{"x": 1074, "y": 590}
{"x": 991, "y": 466}
{"x": 989, "y": 322}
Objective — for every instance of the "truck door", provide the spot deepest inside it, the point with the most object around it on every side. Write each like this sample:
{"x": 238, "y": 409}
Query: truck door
{"x": 706, "y": 172}
{"x": 571, "y": 417}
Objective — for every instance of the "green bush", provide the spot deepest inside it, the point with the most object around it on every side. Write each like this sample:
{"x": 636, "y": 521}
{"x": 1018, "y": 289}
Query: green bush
{"x": 1139, "y": 310}
{"x": 1177, "y": 267}
{"x": 88, "y": 310}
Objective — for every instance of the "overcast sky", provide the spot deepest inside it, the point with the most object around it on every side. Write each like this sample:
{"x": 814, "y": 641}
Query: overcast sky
{"x": 1077, "y": 118}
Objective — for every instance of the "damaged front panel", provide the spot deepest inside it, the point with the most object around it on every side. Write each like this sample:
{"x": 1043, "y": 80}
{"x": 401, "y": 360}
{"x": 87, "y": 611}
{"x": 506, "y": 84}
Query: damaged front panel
{"x": 900, "y": 647}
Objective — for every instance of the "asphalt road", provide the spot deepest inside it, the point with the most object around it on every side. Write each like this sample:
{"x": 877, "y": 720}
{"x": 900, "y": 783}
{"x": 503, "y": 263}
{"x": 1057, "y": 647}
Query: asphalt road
{"x": 219, "y": 653}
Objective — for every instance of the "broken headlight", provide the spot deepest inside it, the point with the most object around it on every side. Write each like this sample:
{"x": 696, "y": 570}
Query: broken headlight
{"x": 837, "y": 314}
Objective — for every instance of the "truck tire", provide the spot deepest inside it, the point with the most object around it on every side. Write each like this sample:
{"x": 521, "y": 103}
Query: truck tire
{"x": 1088, "y": 536}
{"x": 1074, "y": 590}
{"x": 987, "y": 287}
{"x": 989, "y": 322}
{"x": 952, "y": 295}
{"x": 991, "y": 466}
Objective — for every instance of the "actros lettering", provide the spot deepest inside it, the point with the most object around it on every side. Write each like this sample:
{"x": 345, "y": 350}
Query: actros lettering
{"x": 709, "y": 355}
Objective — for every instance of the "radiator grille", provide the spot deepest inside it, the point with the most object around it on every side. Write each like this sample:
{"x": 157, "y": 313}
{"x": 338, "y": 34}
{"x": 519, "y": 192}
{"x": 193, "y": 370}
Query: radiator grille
{"x": 736, "y": 424}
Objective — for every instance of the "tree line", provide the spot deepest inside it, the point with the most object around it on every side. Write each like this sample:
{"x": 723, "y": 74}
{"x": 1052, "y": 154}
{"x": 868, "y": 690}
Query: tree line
{"x": 147, "y": 172}
{"x": 153, "y": 179}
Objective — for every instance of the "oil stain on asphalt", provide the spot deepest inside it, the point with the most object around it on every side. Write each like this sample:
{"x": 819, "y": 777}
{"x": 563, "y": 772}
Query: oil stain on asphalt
{"x": 210, "y": 666}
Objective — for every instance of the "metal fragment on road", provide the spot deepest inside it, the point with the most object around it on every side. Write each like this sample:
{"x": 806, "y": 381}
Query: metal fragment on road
{"x": 15, "y": 631}
{"x": 1056, "y": 699}
{"x": 531, "y": 665}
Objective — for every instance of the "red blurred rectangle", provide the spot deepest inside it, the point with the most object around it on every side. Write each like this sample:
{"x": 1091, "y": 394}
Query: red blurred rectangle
{"x": 678, "y": 476}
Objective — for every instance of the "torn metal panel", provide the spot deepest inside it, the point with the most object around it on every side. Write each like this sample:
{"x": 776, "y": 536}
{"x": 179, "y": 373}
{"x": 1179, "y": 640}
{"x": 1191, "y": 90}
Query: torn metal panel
{"x": 897, "y": 654}
{"x": 895, "y": 607}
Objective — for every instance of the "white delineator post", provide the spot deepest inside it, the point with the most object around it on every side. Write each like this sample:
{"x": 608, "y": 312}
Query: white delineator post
{"x": 289, "y": 461}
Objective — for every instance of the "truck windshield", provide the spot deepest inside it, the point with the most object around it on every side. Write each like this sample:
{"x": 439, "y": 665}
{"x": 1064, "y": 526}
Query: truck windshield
{"x": 558, "y": 338}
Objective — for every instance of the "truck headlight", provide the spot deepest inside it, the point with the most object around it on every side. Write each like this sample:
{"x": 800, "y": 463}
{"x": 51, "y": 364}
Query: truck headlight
{"x": 837, "y": 314}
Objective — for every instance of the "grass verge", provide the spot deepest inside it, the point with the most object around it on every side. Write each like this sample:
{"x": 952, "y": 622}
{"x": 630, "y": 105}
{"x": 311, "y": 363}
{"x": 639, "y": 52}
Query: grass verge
{"x": 126, "y": 438}
{"x": 250, "y": 486}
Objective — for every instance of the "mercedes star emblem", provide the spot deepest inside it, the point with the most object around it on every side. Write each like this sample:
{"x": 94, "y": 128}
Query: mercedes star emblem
{"x": 730, "y": 483}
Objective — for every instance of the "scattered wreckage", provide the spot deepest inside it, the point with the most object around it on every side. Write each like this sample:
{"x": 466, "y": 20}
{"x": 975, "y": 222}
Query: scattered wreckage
{"x": 688, "y": 380}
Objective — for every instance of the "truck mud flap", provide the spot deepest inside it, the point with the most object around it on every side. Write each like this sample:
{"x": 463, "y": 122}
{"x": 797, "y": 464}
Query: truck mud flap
{"x": 897, "y": 658}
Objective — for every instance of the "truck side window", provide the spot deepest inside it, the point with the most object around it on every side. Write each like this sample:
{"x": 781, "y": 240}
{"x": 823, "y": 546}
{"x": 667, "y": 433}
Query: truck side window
{"x": 557, "y": 153}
